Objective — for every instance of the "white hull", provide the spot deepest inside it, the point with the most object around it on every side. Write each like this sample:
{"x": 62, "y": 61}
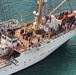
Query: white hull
{"x": 33, "y": 56}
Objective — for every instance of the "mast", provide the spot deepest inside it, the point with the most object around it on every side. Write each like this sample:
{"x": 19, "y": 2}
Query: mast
{"x": 41, "y": 3}
{"x": 21, "y": 21}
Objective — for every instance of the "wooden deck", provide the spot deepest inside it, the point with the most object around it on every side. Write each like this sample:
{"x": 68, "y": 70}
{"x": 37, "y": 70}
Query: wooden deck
{"x": 26, "y": 42}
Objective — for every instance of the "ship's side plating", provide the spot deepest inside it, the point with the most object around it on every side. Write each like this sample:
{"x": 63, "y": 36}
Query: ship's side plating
{"x": 36, "y": 54}
{"x": 31, "y": 57}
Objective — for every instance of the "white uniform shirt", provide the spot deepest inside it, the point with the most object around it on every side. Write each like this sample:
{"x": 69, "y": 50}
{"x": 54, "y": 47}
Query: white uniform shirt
{"x": 46, "y": 29}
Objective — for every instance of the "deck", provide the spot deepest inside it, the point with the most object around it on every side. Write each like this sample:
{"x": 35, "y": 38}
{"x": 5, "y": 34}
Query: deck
{"x": 34, "y": 38}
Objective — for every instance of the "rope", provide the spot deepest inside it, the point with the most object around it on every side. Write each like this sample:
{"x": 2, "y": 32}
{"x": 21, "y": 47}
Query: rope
{"x": 70, "y": 5}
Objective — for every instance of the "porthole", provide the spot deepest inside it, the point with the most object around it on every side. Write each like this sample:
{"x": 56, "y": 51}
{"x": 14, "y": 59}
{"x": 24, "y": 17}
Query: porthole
{"x": 54, "y": 40}
{"x": 29, "y": 60}
{"x": 10, "y": 67}
{"x": 17, "y": 64}
{"x": 24, "y": 62}
{"x": 34, "y": 57}
{"x": 48, "y": 51}
{"x": 5, "y": 69}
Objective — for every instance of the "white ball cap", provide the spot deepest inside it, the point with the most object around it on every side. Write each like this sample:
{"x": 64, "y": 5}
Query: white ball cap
{"x": 74, "y": 12}
{"x": 43, "y": 18}
{"x": 34, "y": 12}
{"x": 45, "y": 1}
{"x": 38, "y": 2}
{"x": 48, "y": 21}
{"x": 34, "y": 23}
{"x": 37, "y": 14}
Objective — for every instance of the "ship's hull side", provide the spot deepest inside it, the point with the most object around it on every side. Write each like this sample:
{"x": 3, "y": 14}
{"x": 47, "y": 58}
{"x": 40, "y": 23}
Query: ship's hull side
{"x": 28, "y": 59}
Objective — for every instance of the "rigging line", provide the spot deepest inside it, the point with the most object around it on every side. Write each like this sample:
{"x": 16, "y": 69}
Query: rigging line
{"x": 20, "y": 5}
{"x": 70, "y": 5}
{"x": 52, "y": 5}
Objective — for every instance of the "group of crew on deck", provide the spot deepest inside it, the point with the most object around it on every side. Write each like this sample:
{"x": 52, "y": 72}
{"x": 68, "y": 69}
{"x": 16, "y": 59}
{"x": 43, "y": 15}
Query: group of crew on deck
{"x": 67, "y": 22}
{"x": 26, "y": 34}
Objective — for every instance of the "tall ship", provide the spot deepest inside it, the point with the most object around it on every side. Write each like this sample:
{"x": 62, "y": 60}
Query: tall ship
{"x": 28, "y": 44}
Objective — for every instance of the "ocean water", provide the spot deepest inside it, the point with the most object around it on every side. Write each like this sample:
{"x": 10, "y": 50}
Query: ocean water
{"x": 60, "y": 62}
